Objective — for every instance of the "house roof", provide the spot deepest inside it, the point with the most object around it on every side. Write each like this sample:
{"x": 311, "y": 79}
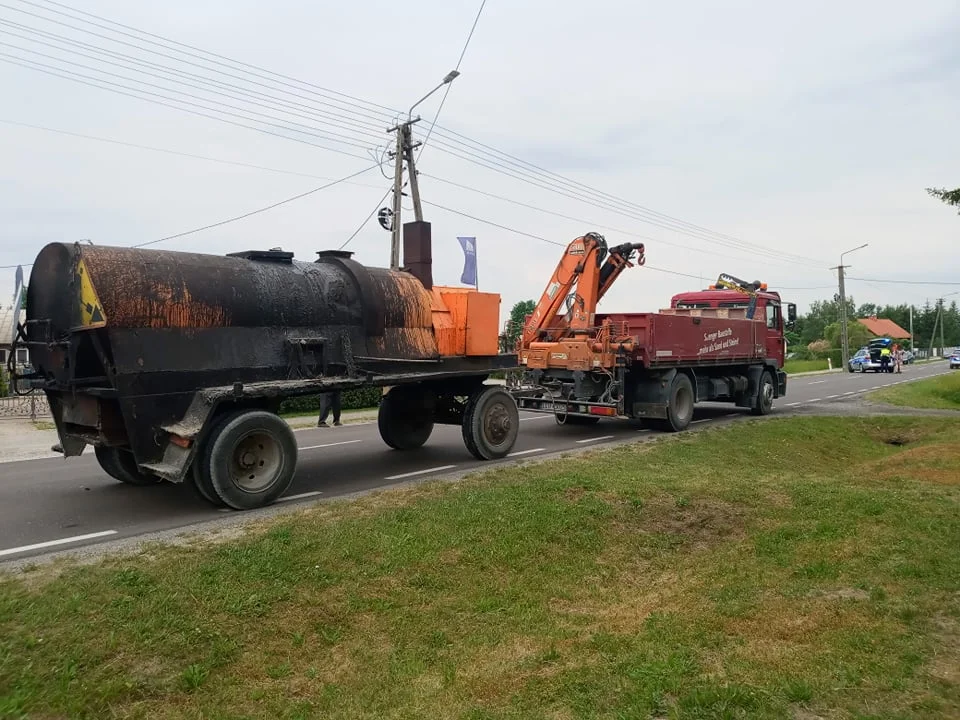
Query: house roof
{"x": 882, "y": 327}
{"x": 7, "y": 324}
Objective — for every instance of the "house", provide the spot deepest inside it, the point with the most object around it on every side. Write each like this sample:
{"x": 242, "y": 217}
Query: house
{"x": 882, "y": 327}
{"x": 8, "y": 320}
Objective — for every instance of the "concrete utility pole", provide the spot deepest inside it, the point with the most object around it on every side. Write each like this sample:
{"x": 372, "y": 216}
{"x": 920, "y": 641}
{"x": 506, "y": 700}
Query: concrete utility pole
{"x": 911, "y": 329}
{"x": 844, "y": 340}
{"x": 403, "y": 151}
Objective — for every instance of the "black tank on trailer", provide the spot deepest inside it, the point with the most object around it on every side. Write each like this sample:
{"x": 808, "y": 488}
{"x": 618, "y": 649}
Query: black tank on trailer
{"x": 174, "y": 364}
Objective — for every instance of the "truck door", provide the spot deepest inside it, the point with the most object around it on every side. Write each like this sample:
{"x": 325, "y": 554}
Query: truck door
{"x": 774, "y": 331}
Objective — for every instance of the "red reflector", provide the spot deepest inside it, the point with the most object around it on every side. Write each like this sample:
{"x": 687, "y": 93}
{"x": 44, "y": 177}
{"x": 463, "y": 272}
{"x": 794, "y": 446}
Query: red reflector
{"x": 595, "y": 410}
{"x": 181, "y": 441}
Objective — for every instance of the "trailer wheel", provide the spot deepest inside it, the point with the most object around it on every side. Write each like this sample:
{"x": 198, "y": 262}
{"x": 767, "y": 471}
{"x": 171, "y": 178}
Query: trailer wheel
{"x": 680, "y": 407}
{"x": 404, "y": 421}
{"x": 121, "y": 465}
{"x": 490, "y": 424}
{"x": 763, "y": 404}
{"x": 250, "y": 459}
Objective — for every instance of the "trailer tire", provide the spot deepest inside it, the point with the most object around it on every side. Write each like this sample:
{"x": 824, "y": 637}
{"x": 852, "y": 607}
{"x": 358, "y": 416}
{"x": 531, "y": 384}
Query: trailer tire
{"x": 251, "y": 457}
{"x": 763, "y": 403}
{"x": 680, "y": 405}
{"x": 121, "y": 465}
{"x": 490, "y": 423}
{"x": 399, "y": 428}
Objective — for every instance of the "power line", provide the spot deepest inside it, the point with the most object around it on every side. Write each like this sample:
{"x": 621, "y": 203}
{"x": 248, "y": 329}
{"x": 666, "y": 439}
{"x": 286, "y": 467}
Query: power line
{"x": 235, "y": 217}
{"x": 685, "y": 227}
{"x": 366, "y": 219}
{"x": 356, "y": 102}
{"x": 367, "y": 127}
{"x": 450, "y": 85}
{"x": 174, "y": 107}
{"x": 904, "y": 282}
{"x": 175, "y": 152}
{"x": 310, "y": 130}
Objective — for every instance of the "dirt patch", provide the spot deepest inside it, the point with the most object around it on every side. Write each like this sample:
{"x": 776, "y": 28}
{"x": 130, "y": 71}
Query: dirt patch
{"x": 898, "y": 437}
{"x": 939, "y": 464}
{"x": 697, "y": 524}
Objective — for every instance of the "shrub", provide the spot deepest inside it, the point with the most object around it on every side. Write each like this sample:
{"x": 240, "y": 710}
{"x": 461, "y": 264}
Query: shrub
{"x": 358, "y": 399}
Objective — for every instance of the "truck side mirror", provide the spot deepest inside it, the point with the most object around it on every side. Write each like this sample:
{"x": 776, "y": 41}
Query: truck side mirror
{"x": 791, "y": 315}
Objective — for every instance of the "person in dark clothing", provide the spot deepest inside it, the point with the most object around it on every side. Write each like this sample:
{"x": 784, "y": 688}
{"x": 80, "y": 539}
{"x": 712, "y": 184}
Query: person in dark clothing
{"x": 329, "y": 401}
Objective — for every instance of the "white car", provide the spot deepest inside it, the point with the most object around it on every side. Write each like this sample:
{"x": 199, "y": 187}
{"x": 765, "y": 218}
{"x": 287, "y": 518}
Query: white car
{"x": 955, "y": 361}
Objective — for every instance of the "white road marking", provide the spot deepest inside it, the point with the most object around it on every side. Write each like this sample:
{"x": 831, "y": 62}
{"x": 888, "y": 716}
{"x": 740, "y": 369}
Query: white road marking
{"x": 794, "y": 404}
{"x": 54, "y": 543}
{"x": 831, "y": 397}
{"x": 419, "y": 472}
{"x": 694, "y": 422}
{"x": 536, "y": 417}
{"x": 288, "y": 498}
{"x": 595, "y": 439}
{"x": 816, "y": 382}
{"x": 525, "y": 452}
{"x": 814, "y": 400}
{"x": 852, "y": 392}
{"x": 644, "y": 430}
{"x": 342, "y": 442}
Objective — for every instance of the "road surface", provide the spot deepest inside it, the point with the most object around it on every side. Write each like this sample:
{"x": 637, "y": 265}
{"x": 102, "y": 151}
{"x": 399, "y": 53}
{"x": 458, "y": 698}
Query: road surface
{"x": 52, "y": 505}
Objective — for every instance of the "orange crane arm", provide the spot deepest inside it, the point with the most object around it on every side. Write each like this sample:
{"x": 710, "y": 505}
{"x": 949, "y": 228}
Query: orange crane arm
{"x": 591, "y": 268}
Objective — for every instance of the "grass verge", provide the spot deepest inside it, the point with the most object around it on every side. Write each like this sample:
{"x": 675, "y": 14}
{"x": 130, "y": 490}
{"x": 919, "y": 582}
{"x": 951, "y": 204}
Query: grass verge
{"x": 789, "y": 568}
{"x": 799, "y": 366}
{"x": 937, "y": 393}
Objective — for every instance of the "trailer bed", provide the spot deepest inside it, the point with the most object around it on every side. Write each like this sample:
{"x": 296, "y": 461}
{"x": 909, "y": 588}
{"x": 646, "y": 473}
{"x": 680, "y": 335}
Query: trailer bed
{"x": 677, "y": 337}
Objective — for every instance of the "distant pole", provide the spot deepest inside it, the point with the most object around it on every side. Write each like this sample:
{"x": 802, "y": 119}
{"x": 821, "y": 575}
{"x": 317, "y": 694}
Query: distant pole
{"x": 911, "y": 327}
{"x": 397, "y": 194}
{"x": 844, "y": 340}
{"x": 942, "y": 323}
{"x": 408, "y": 148}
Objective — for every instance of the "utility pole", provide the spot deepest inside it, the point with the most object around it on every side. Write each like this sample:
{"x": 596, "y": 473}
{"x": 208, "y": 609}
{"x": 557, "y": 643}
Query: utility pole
{"x": 911, "y": 329}
{"x": 844, "y": 340}
{"x": 397, "y": 195}
{"x": 403, "y": 152}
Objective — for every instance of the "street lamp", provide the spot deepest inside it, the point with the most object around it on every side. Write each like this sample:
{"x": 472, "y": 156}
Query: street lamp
{"x": 844, "y": 339}
{"x": 448, "y": 78}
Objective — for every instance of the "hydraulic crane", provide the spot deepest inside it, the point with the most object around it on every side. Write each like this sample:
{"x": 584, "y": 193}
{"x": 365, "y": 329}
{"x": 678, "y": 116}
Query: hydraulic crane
{"x": 572, "y": 340}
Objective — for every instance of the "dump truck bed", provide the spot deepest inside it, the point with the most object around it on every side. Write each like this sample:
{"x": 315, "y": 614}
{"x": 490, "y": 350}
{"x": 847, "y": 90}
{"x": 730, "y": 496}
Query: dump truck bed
{"x": 691, "y": 336}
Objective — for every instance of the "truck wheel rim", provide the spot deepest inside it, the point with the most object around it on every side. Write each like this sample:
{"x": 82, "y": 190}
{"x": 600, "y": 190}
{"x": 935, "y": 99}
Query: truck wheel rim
{"x": 767, "y": 394}
{"x": 256, "y": 462}
{"x": 684, "y": 403}
{"x": 496, "y": 424}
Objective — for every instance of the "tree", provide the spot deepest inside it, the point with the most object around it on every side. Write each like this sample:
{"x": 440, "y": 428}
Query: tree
{"x": 857, "y": 335}
{"x": 950, "y": 197}
{"x": 515, "y": 326}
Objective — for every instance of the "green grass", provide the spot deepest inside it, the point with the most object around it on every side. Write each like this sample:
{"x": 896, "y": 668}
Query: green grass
{"x": 938, "y": 393}
{"x": 799, "y": 366}
{"x": 786, "y": 568}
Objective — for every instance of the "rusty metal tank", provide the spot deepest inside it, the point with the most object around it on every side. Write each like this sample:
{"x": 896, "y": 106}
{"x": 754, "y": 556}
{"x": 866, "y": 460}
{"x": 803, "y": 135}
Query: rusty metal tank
{"x": 257, "y": 316}
{"x": 119, "y": 335}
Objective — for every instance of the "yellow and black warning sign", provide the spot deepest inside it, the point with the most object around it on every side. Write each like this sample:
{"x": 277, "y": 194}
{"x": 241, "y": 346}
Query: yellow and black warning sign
{"x": 91, "y": 311}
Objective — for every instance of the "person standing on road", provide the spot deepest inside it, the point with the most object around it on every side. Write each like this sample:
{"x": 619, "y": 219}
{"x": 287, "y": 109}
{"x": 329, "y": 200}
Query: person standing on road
{"x": 329, "y": 401}
{"x": 897, "y": 356}
{"x": 885, "y": 360}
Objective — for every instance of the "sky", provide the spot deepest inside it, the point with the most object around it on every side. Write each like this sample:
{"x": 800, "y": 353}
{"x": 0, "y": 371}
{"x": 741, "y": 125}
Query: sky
{"x": 778, "y": 130}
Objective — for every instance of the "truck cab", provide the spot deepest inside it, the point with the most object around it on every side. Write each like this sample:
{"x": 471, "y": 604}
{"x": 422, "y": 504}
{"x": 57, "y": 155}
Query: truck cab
{"x": 767, "y": 305}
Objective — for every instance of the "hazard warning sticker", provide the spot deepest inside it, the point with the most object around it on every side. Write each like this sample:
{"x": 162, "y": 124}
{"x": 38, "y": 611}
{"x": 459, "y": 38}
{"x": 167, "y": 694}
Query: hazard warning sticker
{"x": 91, "y": 311}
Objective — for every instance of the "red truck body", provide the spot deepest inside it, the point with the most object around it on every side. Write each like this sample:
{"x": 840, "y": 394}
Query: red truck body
{"x": 702, "y": 348}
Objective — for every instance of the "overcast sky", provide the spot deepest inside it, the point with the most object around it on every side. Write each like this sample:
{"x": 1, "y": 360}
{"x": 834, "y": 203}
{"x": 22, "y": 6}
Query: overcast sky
{"x": 805, "y": 128}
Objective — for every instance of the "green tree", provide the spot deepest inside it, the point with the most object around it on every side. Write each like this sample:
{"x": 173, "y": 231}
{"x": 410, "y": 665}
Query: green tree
{"x": 23, "y": 301}
{"x": 515, "y": 325}
{"x": 857, "y": 335}
{"x": 950, "y": 197}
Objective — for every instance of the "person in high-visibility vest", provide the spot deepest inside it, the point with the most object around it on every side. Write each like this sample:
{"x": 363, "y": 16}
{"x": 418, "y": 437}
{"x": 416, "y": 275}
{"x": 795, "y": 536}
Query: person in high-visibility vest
{"x": 884, "y": 359}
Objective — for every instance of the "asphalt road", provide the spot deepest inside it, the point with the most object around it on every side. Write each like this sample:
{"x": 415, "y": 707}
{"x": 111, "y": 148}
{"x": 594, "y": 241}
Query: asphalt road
{"x": 56, "y": 504}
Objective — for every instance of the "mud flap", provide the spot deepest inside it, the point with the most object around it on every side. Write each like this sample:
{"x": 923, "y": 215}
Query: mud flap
{"x": 650, "y": 398}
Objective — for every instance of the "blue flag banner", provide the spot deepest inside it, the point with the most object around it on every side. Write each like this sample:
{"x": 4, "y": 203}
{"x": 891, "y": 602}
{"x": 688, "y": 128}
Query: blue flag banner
{"x": 469, "y": 275}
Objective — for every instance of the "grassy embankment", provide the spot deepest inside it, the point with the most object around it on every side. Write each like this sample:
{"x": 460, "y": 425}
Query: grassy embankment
{"x": 790, "y": 568}
{"x": 938, "y": 393}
